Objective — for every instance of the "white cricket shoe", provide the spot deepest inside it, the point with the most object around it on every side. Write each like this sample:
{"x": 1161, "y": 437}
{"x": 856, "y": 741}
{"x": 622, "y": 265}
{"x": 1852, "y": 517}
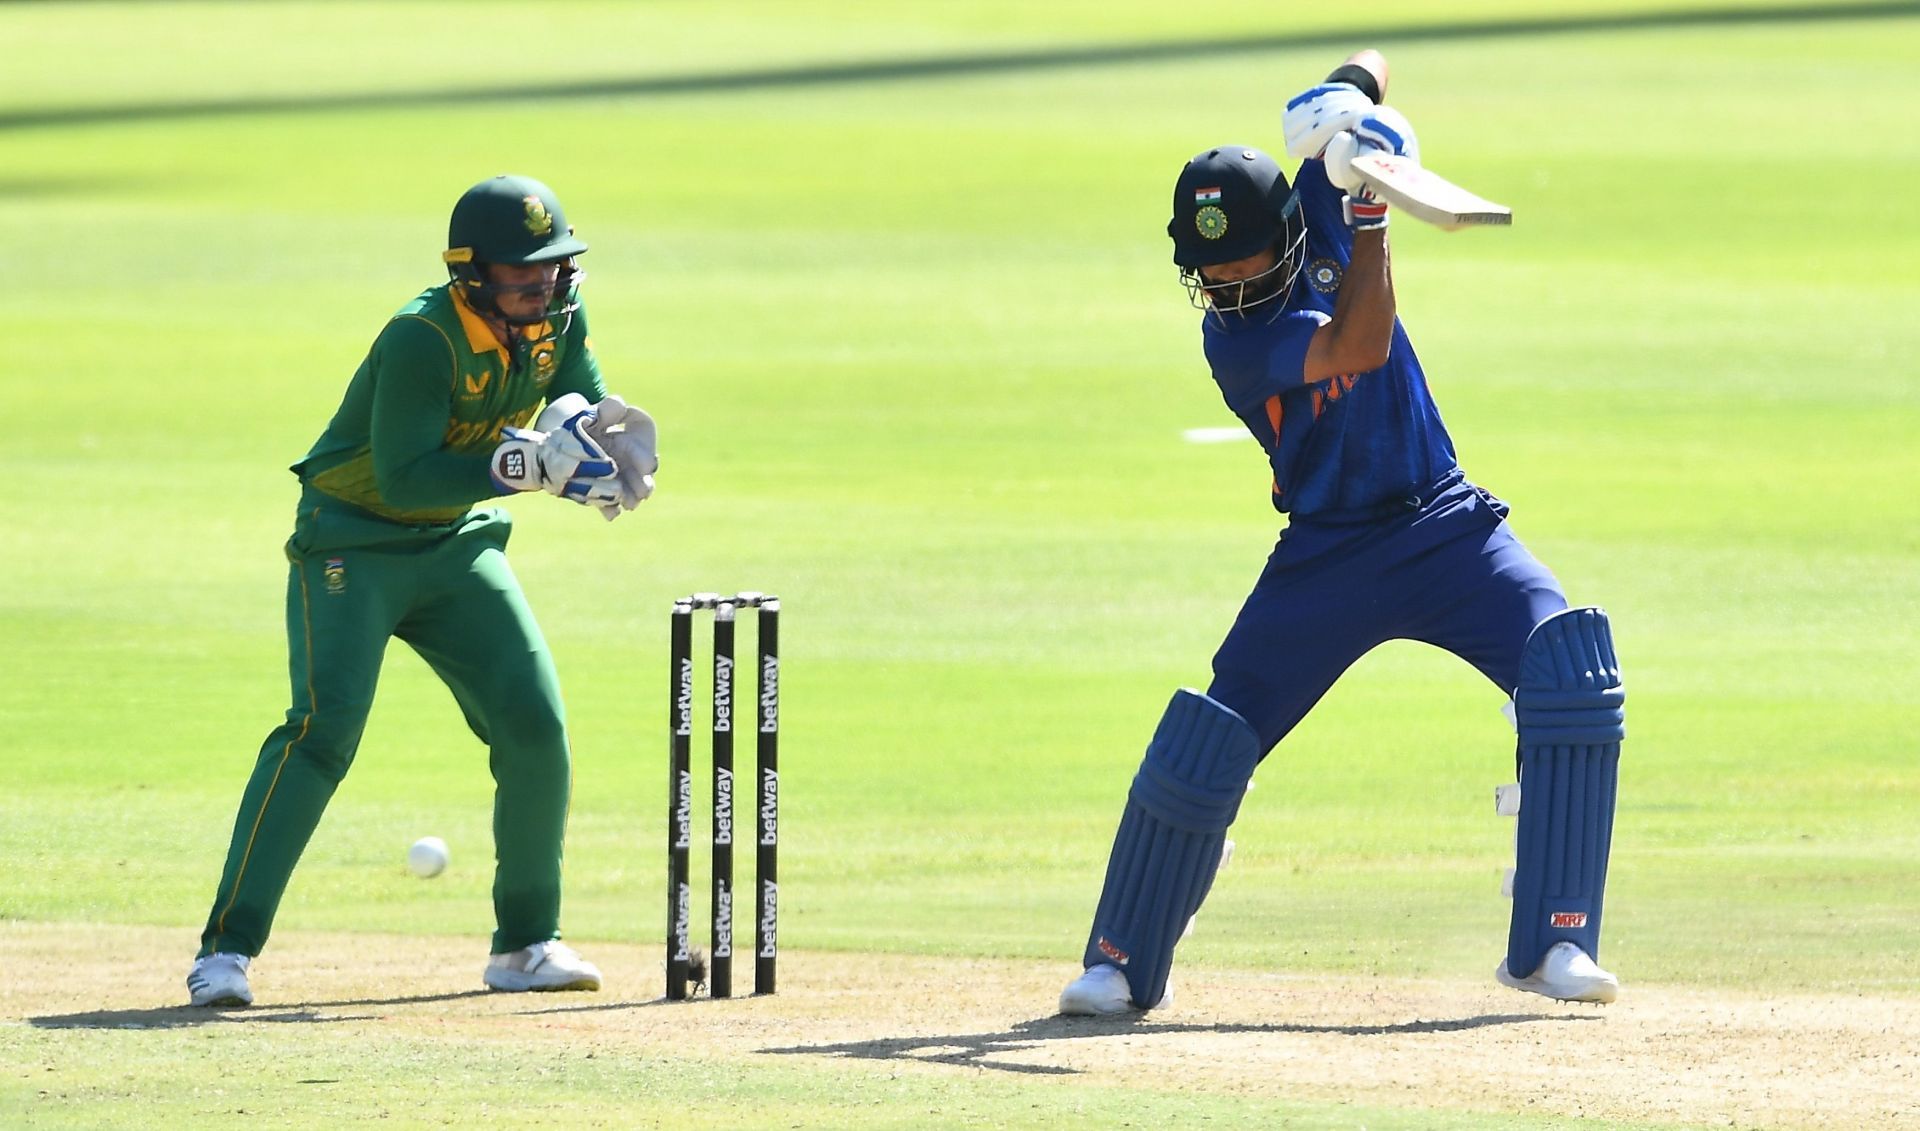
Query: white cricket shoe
{"x": 550, "y": 965}
{"x": 1566, "y": 973}
{"x": 220, "y": 979}
{"x": 1101, "y": 991}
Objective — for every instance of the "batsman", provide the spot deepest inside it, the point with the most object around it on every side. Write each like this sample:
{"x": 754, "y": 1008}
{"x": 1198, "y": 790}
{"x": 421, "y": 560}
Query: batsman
{"x": 1387, "y": 539}
{"x": 388, "y": 543}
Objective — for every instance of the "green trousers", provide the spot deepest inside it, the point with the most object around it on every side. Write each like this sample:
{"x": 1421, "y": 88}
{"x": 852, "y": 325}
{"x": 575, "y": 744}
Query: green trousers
{"x": 355, "y": 582}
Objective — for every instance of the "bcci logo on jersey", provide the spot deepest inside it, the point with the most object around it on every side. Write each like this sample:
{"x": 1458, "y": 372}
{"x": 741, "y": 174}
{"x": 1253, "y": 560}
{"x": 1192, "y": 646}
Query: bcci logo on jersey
{"x": 1323, "y": 275}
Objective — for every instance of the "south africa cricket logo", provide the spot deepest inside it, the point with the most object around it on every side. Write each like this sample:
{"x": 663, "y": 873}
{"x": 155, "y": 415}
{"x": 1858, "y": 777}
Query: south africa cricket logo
{"x": 543, "y": 363}
{"x": 335, "y": 574}
{"x": 539, "y": 220}
{"x": 1323, "y": 275}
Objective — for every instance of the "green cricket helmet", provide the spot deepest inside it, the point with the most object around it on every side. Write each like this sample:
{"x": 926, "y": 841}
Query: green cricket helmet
{"x": 1230, "y": 203}
{"x": 518, "y": 221}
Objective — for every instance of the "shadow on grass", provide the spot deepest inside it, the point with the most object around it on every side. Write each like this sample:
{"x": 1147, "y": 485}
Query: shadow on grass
{"x": 942, "y": 66}
{"x": 189, "y": 1016}
{"x": 973, "y": 1049}
{"x": 609, "y": 1006}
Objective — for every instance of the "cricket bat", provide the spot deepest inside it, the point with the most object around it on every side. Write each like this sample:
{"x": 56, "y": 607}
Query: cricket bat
{"x": 1426, "y": 195}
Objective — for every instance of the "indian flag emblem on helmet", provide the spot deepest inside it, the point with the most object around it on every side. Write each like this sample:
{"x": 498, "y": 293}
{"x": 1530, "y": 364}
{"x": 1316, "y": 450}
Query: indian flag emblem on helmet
{"x": 1211, "y": 222}
{"x": 539, "y": 220}
{"x": 1206, "y": 196}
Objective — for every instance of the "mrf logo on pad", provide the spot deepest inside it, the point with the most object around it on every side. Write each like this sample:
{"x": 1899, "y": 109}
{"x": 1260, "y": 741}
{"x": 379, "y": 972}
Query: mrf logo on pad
{"x": 1567, "y": 920}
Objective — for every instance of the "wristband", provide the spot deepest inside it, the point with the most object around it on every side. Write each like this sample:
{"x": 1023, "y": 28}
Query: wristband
{"x": 1364, "y": 213}
{"x": 1356, "y": 75}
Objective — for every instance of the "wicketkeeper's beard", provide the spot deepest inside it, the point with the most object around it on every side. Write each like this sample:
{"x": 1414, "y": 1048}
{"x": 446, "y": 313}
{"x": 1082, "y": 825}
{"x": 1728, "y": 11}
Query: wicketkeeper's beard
{"x": 524, "y": 306}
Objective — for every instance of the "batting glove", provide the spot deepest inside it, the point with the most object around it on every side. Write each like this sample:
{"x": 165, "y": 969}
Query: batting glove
{"x": 1388, "y": 130}
{"x": 1316, "y": 114}
{"x": 1364, "y": 211}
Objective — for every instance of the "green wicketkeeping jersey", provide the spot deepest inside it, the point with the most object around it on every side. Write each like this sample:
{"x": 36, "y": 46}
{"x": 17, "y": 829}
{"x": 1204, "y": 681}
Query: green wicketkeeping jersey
{"x": 412, "y": 438}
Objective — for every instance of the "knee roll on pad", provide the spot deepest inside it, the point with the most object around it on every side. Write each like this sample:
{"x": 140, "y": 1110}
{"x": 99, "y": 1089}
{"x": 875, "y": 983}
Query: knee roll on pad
{"x": 1184, "y": 797}
{"x": 1571, "y": 718}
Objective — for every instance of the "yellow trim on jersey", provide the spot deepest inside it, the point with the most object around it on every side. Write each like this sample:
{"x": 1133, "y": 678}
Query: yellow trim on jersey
{"x": 453, "y": 352}
{"x": 480, "y": 337}
{"x": 286, "y": 752}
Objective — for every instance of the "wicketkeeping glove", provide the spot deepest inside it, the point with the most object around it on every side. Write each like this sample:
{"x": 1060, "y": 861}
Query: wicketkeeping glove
{"x": 564, "y": 461}
{"x": 628, "y": 434}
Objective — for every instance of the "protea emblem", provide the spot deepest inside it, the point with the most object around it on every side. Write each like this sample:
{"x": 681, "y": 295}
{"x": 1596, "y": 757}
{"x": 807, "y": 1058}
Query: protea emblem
{"x": 539, "y": 220}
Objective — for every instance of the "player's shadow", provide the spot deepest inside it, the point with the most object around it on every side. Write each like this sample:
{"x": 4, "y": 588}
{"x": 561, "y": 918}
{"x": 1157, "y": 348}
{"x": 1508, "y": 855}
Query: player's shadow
{"x": 188, "y": 1016}
{"x": 975, "y": 1049}
{"x": 1017, "y": 61}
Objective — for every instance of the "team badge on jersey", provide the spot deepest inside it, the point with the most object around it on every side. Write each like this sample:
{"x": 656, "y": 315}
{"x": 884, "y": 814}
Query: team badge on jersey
{"x": 1323, "y": 275}
{"x": 543, "y": 363}
{"x": 334, "y": 572}
{"x": 1211, "y": 221}
{"x": 539, "y": 220}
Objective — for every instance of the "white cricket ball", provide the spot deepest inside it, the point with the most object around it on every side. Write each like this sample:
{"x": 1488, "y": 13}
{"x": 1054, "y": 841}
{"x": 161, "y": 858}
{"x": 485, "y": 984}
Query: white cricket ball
{"x": 427, "y": 857}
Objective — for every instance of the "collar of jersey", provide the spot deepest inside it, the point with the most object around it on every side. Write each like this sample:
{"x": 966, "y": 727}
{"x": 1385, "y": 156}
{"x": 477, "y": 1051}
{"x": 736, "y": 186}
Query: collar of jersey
{"x": 480, "y": 337}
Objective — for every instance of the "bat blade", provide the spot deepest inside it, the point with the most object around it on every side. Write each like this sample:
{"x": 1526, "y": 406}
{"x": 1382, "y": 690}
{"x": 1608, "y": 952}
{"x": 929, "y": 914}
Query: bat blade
{"x": 1426, "y": 195}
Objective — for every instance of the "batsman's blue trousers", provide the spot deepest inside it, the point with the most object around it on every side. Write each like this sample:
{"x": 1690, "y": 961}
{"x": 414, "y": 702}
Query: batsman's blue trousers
{"x": 1444, "y": 569}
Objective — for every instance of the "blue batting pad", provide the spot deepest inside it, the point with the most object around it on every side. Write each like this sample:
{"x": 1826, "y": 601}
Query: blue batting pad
{"x": 1187, "y": 793}
{"x": 1571, "y": 715}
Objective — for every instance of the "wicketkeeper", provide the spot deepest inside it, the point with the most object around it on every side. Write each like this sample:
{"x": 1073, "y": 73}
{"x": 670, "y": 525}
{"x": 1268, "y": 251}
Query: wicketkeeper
{"x": 1388, "y": 540}
{"x": 388, "y": 542}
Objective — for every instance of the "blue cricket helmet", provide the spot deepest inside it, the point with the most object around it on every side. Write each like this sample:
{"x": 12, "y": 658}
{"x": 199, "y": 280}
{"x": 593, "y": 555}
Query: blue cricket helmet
{"x": 1232, "y": 202}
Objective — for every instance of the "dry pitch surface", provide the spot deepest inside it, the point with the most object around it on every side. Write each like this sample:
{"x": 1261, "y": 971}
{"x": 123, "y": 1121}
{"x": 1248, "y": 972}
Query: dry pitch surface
{"x": 1662, "y": 1053}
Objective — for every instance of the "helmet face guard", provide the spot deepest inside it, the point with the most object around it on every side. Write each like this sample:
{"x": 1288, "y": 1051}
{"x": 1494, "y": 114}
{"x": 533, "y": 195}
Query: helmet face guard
{"x": 1231, "y": 204}
{"x": 1276, "y": 282}
{"x": 559, "y": 298}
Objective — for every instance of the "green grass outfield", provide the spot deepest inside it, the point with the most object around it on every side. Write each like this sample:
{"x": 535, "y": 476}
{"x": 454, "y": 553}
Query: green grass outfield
{"x": 893, "y": 278}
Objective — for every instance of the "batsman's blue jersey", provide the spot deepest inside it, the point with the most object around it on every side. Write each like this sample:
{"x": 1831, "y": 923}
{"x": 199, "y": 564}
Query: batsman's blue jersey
{"x": 1345, "y": 448}
{"x": 1388, "y": 540}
